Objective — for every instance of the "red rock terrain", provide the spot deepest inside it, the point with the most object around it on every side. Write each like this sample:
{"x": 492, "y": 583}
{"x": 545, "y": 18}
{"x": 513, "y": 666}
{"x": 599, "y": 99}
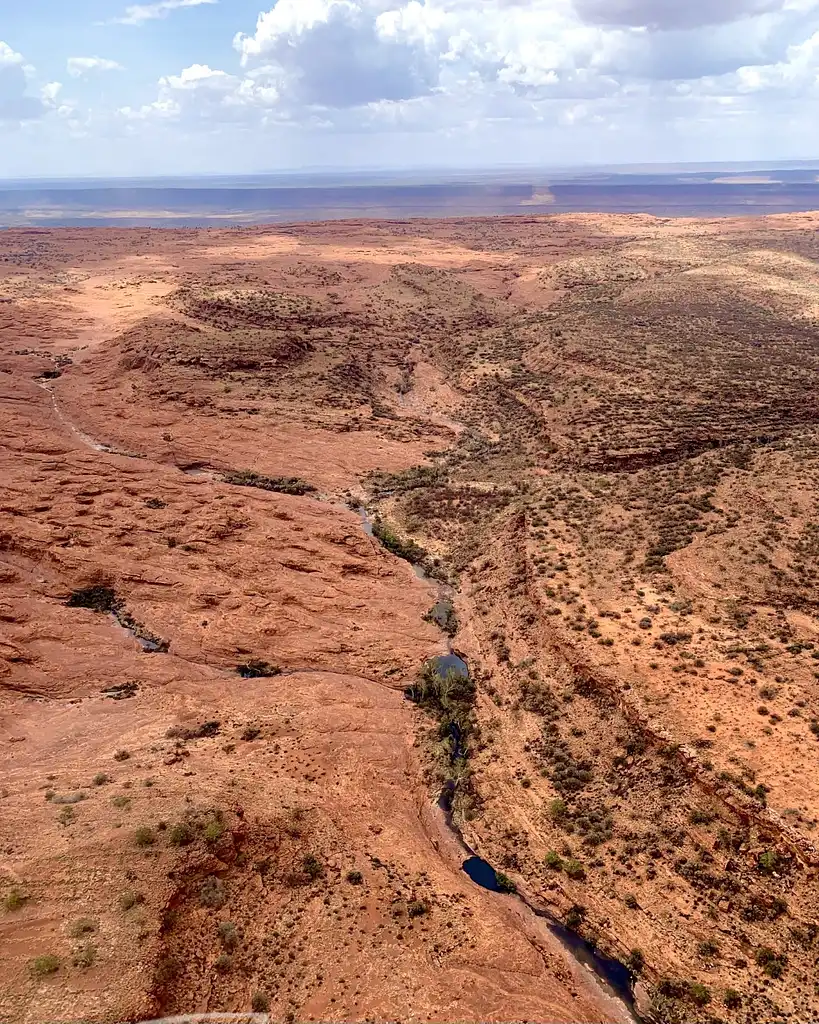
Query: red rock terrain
{"x": 602, "y": 430}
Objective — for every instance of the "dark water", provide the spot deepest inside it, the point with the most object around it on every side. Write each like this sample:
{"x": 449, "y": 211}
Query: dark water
{"x": 482, "y": 873}
{"x": 447, "y": 663}
{"x": 615, "y": 976}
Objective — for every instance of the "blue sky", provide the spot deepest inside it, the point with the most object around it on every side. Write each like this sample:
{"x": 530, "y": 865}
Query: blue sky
{"x": 102, "y": 87}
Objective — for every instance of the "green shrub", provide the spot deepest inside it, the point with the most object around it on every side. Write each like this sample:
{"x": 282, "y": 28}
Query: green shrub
{"x": 144, "y": 836}
{"x": 708, "y": 948}
{"x": 505, "y": 883}
{"x": 406, "y": 549}
{"x": 574, "y": 869}
{"x": 280, "y": 484}
{"x": 15, "y": 899}
{"x": 42, "y": 966}
{"x": 355, "y": 878}
{"x": 228, "y": 934}
{"x": 558, "y": 809}
{"x": 260, "y": 1003}
{"x": 732, "y": 999}
{"x": 181, "y": 834}
{"x": 768, "y": 862}
{"x": 772, "y": 963}
{"x": 213, "y": 831}
{"x": 699, "y": 994}
{"x": 553, "y": 860}
{"x": 223, "y": 963}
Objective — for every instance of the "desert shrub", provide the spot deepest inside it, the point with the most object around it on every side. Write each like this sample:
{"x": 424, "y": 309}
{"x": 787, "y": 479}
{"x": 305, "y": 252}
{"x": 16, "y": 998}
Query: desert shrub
{"x": 212, "y": 892}
{"x": 120, "y": 801}
{"x": 167, "y": 970}
{"x": 772, "y": 963}
{"x": 260, "y": 1002}
{"x": 630, "y": 901}
{"x": 15, "y": 899}
{"x": 101, "y": 779}
{"x": 280, "y": 484}
{"x": 42, "y": 966}
{"x": 355, "y": 878}
{"x": 505, "y": 883}
{"x": 251, "y": 732}
{"x": 558, "y": 809}
{"x": 228, "y": 935}
{"x": 699, "y": 994}
{"x": 130, "y": 899}
{"x": 121, "y": 755}
{"x": 635, "y": 961}
{"x": 576, "y": 916}
{"x": 199, "y": 732}
{"x": 732, "y": 999}
{"x": 214, "y": 830}
{"x": 66, "y": 816}
{"x": 312, "y": 867}
{"x": 256, "y": 669}
{"x": 82, "y": 926}
{"x": 181, "y": 834}
{"x": 708, "y": 948}
{"x": 574, "y": 869}
{"x": 768, "y": 862}
{"x": 553, "y": 860}
{"x": 98, "y": 599}
{"x": 223, "y": 963}
{"x": 417, "y": 908}
{"x": 85, "y": 956}
{"x": 68, "y": 798}
{"x": 144, "y": 836}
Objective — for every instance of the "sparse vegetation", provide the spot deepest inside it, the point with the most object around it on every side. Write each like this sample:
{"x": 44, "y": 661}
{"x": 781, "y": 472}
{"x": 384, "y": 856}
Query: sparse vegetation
{"x": 15, "y": 899}
{"x": 280, "y": 484}
{"x": 44, "y": 965}
{"x": 144, "y": 836}
{"x": 257, "y": 669}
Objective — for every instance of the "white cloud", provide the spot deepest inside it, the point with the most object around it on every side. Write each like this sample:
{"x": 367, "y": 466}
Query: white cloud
{"x": 138, "y": 14}
{"x": 50, "y": 91}
{"x": 79, "y": 66}
{"x": 8, "y": 57}
{"x": 16, "y": 105}
{"x": 649, "y": 74}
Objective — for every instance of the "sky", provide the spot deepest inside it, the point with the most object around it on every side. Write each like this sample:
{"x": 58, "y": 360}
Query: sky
{"x": 108, "y": 87}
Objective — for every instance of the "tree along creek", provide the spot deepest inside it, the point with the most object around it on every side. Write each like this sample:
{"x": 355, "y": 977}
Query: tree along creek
{"x": 612, "y": 975}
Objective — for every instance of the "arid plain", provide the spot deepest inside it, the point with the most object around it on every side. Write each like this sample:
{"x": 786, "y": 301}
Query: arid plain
{"x": 597, "y": 434}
